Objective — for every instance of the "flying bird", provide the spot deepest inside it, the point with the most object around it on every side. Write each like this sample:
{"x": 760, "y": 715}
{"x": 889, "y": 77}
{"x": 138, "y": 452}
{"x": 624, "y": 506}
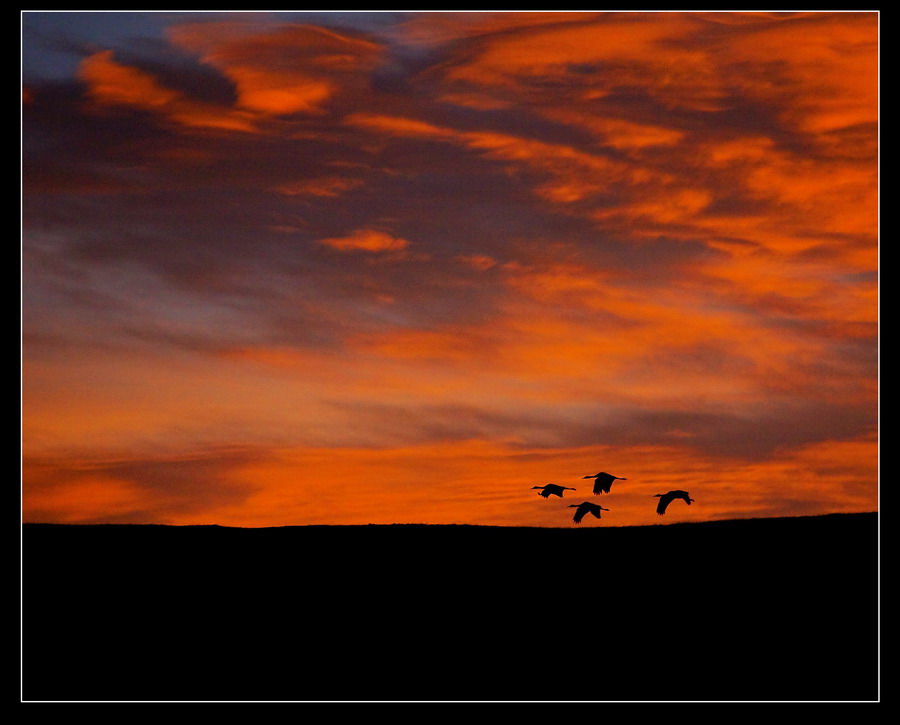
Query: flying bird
{"x": 666, "y": 498}
{"x": 604, "y": 481}
{"x": 552, "y": 488}
{"x": 586, "y": 508}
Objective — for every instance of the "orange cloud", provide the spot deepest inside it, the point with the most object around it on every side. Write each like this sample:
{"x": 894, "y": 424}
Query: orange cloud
{"x": 481, "y": 262}
{"x": 816, "y": 72}
{"x": 91, "y": 495}
{"x": 666, "y": 344}
{"x": 399, "y": 126}
{"x": 116, "y": 84}
{"x": 273, "y": 92}
{"x": 668, "y": 205}
{"x": 226, "y": 41}
{"x": 328, "y": 186}
{"x": 838, "y": 194}
{"x": 283, "y": 71}
{"x": 630, "y": 47}
{"x": 441, "y": 27}
{"x": 803, "y": 290}
{"x": 111, "y": 83}
{"x": 366, "y": 240}
{"x": 293, "y": 69}
{"x": 820, "y": 69}
{"x": 573, "y": 173}
{"x": 619, "y": 133}
{"x": 777, "y": 200}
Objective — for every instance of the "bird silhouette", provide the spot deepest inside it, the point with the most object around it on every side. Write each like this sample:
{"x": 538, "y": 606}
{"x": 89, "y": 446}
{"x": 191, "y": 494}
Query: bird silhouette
{"x": 552, "y": 488}
{"x": 604, "y": 481}
{"x": 586, "y": 508}
{"x": 666, "y": 498}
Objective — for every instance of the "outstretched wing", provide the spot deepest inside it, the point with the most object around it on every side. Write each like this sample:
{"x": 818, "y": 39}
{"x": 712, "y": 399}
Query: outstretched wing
{"x": 663, "y": 504}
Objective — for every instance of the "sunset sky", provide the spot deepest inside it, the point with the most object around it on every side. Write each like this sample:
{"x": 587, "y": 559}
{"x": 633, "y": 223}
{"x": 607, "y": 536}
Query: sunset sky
{"x": 349, "y": 268}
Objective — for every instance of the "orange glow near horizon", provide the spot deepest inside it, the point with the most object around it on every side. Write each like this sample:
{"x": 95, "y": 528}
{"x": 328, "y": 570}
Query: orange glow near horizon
{"x": 482, "y": 484}
{"x": 366, "y": 268}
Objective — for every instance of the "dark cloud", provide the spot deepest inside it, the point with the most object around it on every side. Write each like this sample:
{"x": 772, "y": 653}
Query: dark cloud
{"x": 180, "y": 71}
{"x": 217, "y": 227}
{"x": 753, "y": 434}
{"x": 65, "y": 149}
{"x": 163, "y": 487}
{"x": 749, "y": 435}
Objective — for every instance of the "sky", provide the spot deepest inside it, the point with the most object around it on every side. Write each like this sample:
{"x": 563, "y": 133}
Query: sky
{"x": 400, "y": 267}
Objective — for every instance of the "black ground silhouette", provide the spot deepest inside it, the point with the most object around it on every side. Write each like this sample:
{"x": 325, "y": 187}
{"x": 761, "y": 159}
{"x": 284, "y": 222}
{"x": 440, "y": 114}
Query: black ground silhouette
{"x": 750, "y": 610}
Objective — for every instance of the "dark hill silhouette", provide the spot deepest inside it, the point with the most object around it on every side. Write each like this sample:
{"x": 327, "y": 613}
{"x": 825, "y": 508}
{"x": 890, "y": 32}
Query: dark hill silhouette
{"x": 772, "y": 609}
